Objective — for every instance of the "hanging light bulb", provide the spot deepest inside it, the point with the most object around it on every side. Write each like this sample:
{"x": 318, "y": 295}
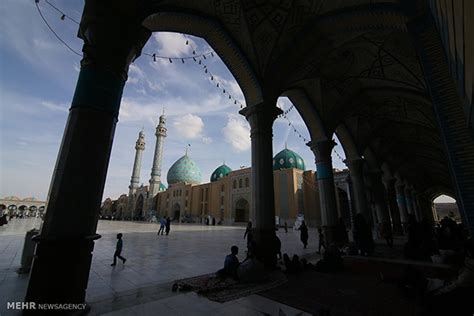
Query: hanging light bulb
{"x": 205, "y": 71}
{"x": 212, "y": 54}
{"x": 212, "y": 77}
{"x": 223, "y": 91}
{"x": 170, "y": 60}
{"x": 194, "y": 58}
{"x": 154, "y": 57}
{"x": 218, "y": 84}
{"x": 199, "y": 62}
{"x": 235, "y": 101}
{"x": 182, "y": 59}
{"x": 204, "y": 56}
{"x": 194, "y": 52}
{"x": 63, "y": 17}
{"x": 229, "y": 96}
{"x": 187, "y": 42}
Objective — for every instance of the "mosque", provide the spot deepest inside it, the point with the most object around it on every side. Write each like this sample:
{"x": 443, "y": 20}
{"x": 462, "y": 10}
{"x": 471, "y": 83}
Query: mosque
{"x": 227, "y": 197}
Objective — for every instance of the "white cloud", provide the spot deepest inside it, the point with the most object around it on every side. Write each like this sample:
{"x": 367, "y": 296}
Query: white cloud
{"x": 207, "y": 140}
{"x": 237, "y": 133}
{"x": 189, "y": 126}
{"x": 173, "y": 44}
{"x": 54, "y": 107}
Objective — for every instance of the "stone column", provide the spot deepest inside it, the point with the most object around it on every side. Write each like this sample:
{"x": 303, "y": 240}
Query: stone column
{"x": 392, "y": 203}
{"x": 327, "y": 195}
{"x": 356, "y": 167}
{"x": 417, "y": 206}
{"x": 380, "y": 199}
{"x": 402, "y": 205}
{"x": 63, "y": 254}
{"x": 260, "y": 118}
{"x": 137, "y": 165}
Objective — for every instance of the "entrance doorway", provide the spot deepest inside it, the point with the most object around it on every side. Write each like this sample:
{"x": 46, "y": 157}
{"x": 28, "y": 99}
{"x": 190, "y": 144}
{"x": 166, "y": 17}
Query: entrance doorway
{"x": 176, "y": 212}
{"x": 242, "y": 209}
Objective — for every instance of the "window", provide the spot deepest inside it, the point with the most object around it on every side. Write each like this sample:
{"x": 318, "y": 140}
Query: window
{"x": 207, "y": 194}
{"x": 186, "y": 192}
{"x": 246, "y": 182}
{"x": 186, "y": 203}
{"x": 240, "y": 183}
{"x": 222, "y": 188}
{"x": 222, "y": 200}
{"x": 235, "y": 184}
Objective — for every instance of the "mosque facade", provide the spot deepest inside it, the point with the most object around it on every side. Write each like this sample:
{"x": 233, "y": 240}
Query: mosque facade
{"x": 227, "y": 196}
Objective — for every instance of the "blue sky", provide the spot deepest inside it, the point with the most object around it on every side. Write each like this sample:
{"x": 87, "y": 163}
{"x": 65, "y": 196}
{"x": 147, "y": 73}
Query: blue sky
{"x": 37, "y": 80}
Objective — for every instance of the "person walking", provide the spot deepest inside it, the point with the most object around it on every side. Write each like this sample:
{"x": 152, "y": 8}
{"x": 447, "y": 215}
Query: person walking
{"x": 286, "y": 227}
{"x": 118, "y": 250}
{"x": 168, "y": 225}
{"x": 322, "y": 242}
{"x": 304, "y": 234}
{"x": 162, "y": 225}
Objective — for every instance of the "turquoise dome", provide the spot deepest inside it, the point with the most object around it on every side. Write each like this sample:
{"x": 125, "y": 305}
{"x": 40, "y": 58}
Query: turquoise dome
{"x": 220, "y": 172}
{"x": 287, "y": 159}
{"x": 162, "y": 187}
{"x": 184, "y": 170}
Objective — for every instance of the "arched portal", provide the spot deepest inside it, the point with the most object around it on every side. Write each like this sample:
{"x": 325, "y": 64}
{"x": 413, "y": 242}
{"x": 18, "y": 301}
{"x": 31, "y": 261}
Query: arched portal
{"x": 176, "y": 211}
{"x": 242, "y": 208}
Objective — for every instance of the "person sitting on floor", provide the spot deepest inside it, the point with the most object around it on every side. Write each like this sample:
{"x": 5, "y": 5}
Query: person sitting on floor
{"x": 231, "y": 264}
{"x": 251, "y": 270}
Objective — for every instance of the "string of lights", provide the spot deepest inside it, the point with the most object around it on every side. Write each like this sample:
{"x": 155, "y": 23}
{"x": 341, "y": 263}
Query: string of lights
{"x": 212, "y": 77}
{"x": 52, "y": 30}
{"x": 295, "y": 130}
{"x": 64, "y": 16}
{"x": 196, "y": 58}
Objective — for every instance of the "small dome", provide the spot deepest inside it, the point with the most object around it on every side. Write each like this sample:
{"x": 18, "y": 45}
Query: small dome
{"x": 220, "y": 172}
{"x": 184, "y": 170}
{"x": 162, "y": 187}
{"x": 287, "y": 159}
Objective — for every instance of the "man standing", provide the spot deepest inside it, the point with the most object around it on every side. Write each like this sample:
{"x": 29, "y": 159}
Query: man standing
{"x": 162, "y": 225}
{"x": 168, "y": 225}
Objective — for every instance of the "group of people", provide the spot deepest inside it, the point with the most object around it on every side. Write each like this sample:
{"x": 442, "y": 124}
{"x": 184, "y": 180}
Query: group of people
{"x": 165, "y": 226}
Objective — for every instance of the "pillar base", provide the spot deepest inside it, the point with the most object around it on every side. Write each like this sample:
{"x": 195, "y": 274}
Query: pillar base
{"x": 266, "y": 245}
{"x": 61, "y": 266}
{"x": 330, "y": 233}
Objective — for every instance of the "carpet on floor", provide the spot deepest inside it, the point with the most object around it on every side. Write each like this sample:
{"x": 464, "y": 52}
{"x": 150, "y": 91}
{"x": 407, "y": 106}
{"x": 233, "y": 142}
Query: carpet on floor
{"x": 211, "y": 287}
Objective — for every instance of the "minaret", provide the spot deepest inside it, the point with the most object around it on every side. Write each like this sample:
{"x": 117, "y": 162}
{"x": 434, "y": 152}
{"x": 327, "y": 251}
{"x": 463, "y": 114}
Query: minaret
{"x": 155, "y": 179}
{"x": 137, "y": 164}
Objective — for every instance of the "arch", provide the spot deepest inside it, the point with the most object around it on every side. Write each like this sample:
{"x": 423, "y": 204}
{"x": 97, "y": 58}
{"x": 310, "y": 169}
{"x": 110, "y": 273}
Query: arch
{"x": 242, "y": 211}
{"x": 215, "y": 35}
{"x": 176, "y": 211}
{"x": 2, "y": 207}
{"x": 308, "y": 112}
{"x": 347, "y": 142}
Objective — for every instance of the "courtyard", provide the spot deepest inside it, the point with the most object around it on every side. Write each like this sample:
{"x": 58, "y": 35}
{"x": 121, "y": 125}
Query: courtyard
{"x": 143, "y": 285}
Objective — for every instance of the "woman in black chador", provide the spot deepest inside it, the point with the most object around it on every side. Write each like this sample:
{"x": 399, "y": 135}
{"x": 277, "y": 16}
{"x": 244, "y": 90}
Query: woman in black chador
{"x": 304, "y": 234}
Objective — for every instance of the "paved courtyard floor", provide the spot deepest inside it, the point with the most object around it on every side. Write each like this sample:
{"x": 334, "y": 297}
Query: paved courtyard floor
{"x": 142, "y": 285}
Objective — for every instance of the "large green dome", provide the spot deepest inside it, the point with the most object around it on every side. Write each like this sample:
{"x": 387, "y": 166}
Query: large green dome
{"x": 220, "y": 172}
{"x": 287, "y": 159}
{"x": 184, "y": 170}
